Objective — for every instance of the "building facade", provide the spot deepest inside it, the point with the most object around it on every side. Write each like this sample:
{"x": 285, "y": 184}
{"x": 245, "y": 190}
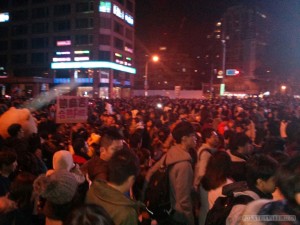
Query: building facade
{"x": 86, "y": 43}
{"x": 246, "y": 33}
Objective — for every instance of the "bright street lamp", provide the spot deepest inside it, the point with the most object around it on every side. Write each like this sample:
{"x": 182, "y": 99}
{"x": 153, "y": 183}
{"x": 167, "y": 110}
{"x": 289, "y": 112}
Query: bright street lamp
{"x": 154, "y": 58}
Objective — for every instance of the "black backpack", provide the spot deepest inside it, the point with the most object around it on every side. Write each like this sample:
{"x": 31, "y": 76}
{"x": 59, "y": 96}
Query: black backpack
{"x": 157, "y": 196}
{"x": 221, "y": 209}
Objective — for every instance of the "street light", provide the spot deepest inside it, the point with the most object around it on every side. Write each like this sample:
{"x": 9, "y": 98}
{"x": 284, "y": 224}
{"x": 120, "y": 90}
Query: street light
{"x": 154, "y": 58}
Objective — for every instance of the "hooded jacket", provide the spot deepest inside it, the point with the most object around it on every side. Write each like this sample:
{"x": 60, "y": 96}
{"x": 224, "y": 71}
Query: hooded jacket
{"x": 181, "y": 183}
{"x": 121, "y": 209}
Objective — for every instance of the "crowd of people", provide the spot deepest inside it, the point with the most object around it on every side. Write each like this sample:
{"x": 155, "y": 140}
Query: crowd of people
{"x": 94, "y": 172}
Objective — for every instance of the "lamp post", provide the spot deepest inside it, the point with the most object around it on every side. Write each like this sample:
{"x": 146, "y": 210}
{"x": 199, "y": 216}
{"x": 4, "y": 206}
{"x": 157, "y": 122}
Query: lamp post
{"x": 222, "y": 87}
{"x": 154, "y": 58}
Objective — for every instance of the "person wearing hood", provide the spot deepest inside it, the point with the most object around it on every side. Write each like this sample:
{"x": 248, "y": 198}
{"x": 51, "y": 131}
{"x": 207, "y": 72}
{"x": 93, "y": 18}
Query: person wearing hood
{"x": 181, "y": 173}
{"x": 111, "y": 195}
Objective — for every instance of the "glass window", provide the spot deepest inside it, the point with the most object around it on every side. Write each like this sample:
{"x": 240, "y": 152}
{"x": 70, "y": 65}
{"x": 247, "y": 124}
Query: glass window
{"x": 62, "y": 25}
{"x": 62, "y": 10}
{"x": 4, "y": 31}
{"x": 83, "y": 39}
{"x": 118, "y": 28}
{"x": 84, "y": 23}
{"x": 19, "y": 44}
{"x": 38, "y": 57}
{"x": 3, "y": 45}
{"x": 118, "y": 43}
{"x": 17, "y": 3}
{"x": 20, "y": 30}
{"x": 39, "y": 28}
{"x": 104, "y": 55}
{"x": 19, "y": 15}
{"x": 41, "y": 12}
{"x": 85, "y": 7}
{"x": 19, "y": 58}
{"x": 38, "y": 43}
{"x": 105, "y": 23}
{"x": 104, "y": 39}
{"x": 129, "y": 34}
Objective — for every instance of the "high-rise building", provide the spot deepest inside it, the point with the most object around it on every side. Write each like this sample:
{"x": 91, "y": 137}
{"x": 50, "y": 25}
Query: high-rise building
{"x": 85, "y": 42}
{"x": 246, "y": 32}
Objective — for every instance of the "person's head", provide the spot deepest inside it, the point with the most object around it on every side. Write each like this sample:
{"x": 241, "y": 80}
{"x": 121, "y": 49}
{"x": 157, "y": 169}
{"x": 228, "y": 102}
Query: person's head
{"x": 241, "y": 143}
{"x": 288, "y": 180}
{"x": 210, "y": 137}
{"x": 184, "y": 133}
{"x": 21, "y": 189}
{"x": 260, "y": 173}
{"x": 80, "y": 146}
{"x": 218, "y": 169}
{"x": 123, "y": 167}
{"x": 59, "y": 189}
{"x": 15, "y": 130}
{"x": 111, "y": 141}
{"x": 89, "y": 214}
{"x": 8, "y": 162}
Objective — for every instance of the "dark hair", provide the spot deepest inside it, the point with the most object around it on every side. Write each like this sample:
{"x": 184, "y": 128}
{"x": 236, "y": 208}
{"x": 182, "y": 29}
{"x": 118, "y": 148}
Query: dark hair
{"x": 78, "y": 144}
{"x": 21, "y": 189}
{"x": 110, "y": 134}
{"x": 288, "y": 179}
{"x": 182, "y": 129}
{"x": 89, "y": 214}
{"x": 7, "y": 157}
{"x": 206, "y": 133}
{"x": 260, "y": 166}
{"x": 239, "y": 140}
{"x": 135, "y": 139}
{"x": 217, "y": 170}
{"x": 123, "y": 164}
{"x": 14, "y": 129}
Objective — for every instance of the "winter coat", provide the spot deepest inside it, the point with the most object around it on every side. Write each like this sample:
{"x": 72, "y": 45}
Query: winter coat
{"x": 181, "y": 184}
{"x": 121, "y": 209}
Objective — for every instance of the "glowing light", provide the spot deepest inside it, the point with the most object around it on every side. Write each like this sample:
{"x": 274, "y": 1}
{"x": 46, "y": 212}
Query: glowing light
{"x": 65, "y": 59}
{"x": 63, "y": 53}
{"x": 93, "y": 64}
{"x": 63, "y": 43}
{"x": 83, "y": 58}
{"x": 82, "y": 52}
{"x": 4, "y": 17}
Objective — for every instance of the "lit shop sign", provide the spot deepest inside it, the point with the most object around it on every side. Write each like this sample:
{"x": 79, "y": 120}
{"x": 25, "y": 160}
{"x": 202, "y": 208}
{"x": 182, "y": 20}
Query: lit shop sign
{"x": 4, "y": 17}
{"x": 129, "y": 19}
{"x": 63, "y": 43}
{"x": 83, "y": 58}
{"x": 66, "y": 59}
{"x": 126, "y": 49}
{"x": 105, "y": 7}
{"x": 92, "y": 64}
{"x": 118, "y": 12}
{"x": 82, "y": 52}
{"x": 63, "y": 53}
{"x": 122, "y": 15}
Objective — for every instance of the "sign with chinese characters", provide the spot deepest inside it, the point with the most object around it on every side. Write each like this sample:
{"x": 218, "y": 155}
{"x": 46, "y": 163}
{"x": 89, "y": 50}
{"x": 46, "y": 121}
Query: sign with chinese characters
{"x": 71, "y": 109}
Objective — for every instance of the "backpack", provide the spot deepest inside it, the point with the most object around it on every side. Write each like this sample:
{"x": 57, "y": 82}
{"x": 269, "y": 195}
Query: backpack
{"x": 221, "y": 209}
{"x": 157, "y": 196}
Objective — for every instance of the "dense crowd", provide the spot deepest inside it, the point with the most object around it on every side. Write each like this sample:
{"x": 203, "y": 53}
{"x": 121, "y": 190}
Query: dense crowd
{"x": 95, "y": 172}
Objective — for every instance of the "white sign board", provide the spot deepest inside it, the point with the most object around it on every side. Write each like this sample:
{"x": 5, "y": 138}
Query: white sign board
{"x": 71, "y": 109}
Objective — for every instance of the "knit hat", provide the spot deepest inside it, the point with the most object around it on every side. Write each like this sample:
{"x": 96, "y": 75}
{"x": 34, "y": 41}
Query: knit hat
{"x": 63, "y": 160}
{"x": 58, "y": 188}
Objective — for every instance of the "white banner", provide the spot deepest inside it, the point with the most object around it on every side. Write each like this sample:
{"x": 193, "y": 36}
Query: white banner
{"x": 71, "y": 109}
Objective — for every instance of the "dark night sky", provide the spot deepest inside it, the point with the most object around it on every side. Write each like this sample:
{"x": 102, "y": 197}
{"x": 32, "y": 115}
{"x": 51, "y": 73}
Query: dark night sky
{"x": 192, "y": 20}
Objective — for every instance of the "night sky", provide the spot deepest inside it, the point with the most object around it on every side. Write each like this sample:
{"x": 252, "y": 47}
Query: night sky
{"x": 189, "y": 21}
